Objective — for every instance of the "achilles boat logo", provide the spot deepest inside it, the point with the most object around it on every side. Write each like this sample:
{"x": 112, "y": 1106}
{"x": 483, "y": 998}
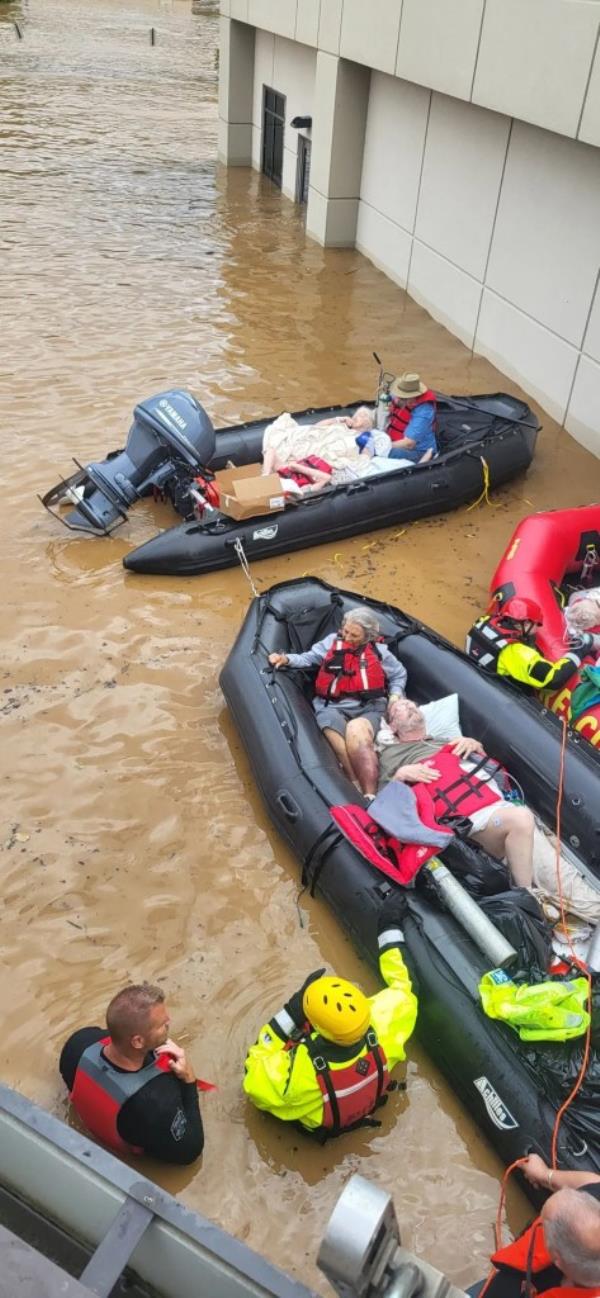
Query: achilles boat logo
{"x": 497, "y": 1110}
{"x": 266, "y": 533}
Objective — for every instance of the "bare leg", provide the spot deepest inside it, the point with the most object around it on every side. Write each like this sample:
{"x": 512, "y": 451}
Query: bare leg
{"x": 338, "y": 743}
{"x": 509, "y": 834}
{"x": 269, "y": 460}
{"x": 360, "y": 741}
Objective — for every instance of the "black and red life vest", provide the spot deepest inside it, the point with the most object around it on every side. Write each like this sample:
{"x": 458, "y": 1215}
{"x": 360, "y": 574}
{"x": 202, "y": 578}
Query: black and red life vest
{"x": 100, "y": 1091}
{"x": 302, "y": 479}
{"x": 350, "y": 672}
{"x": 454, "y": 797}
{"x": 350, "y": 1093}
{"x": 400, "y": 416}
{"x": 527, "y": 1258}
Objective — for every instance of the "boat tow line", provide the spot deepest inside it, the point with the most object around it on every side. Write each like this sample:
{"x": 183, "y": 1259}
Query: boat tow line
{"x": 486, "y": 486}
{"x": 245, "y": 566}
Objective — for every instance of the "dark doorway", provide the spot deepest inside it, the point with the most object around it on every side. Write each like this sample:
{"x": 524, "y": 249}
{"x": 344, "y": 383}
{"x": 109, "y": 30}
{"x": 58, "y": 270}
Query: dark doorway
{"x": 272, "y": 142}
{"x": 303, "y": 169}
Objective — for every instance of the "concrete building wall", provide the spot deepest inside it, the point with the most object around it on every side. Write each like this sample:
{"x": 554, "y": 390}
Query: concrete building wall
{"x": 456, "y": 143}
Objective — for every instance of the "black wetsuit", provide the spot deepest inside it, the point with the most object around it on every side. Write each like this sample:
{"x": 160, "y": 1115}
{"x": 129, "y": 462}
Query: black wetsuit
{"x": 163, "y": 1118}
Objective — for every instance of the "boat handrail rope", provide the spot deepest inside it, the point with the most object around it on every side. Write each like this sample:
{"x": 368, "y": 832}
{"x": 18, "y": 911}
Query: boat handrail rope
{"x": 486, "y": 487}
{"x": 245, "y": 566}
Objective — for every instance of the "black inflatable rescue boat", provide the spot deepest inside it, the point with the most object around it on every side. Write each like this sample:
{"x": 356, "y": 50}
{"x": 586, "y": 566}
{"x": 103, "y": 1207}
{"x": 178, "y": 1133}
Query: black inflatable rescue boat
{"x": 513, "y": 1089}
{"x": 484, "y": 441}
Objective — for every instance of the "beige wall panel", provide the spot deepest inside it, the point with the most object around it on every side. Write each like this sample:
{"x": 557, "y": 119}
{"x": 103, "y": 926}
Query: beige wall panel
{"x": 239, "y": 10}
{"x": 589, "y": 130}
{"x": 534, "y": 60}
{"x": 330, "y": 24}
{"x": 331, "y": 221}
{"x": 234, "y": 143}
{"x": 316, "y": 214}
{"x": 438, "y": 44}
{"x": 236, "y": 71}
{"x": 591, "y": 342}
{"x": 352, "y": 97}
{"x": 264, "y": 56}
{"x": 384, "y": 243}
{"x": 323, "y": 118}
{"x": 542, "y": 363}
{"x": 447, "y": 292}
{"x": 294, "y": 76}
{"x": 290, "y": 162}
{"x": 370, "y": 32}
{"x": 225, "y": 8}
{"x": 464, "y": 155}
{"x": 546, "y": 247}
{"x": 393, "y": 153}
{"x": 257, "y": 148}
{"x": 583, "y": 415}
{"x": 277, "y": 16}
{"x": 307, "y": 21}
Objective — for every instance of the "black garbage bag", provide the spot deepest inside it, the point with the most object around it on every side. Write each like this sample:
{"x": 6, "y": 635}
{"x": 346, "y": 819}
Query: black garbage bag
{"x": 520, "y": 918}
{"x": 481, "y": 874}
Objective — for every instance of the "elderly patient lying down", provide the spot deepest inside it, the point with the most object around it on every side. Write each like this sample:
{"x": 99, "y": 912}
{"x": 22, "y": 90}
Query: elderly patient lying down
{"x": 503, "y": 829}
{"x": 311, "y": 456}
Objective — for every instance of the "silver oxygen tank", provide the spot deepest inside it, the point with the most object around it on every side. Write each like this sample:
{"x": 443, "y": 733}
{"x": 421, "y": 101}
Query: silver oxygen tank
{"x": 467, "y": 913}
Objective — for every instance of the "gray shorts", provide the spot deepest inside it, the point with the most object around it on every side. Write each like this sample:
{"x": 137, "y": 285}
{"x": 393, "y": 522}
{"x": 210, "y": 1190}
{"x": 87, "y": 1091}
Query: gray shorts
{"x": 335, "y": 716}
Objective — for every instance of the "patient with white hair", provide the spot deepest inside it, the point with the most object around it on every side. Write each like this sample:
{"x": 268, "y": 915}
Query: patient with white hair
{"x": 308, "y": 457}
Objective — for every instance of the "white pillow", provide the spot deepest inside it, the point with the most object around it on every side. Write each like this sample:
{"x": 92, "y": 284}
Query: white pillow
{"x": 441, "y": 719}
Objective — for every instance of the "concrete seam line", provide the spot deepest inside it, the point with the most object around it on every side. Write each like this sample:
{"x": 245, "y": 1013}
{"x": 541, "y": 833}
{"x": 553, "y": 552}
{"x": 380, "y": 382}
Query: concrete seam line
{"x": 528, "y": 316}
{"x": 413, "y": 231}
{"x": 477, "y": 50}
{"x": 587, "y": 84}
{"x": 397, "y": 224}
{"x": 493, "y": 229}
{"x": 398, "y": 40}
{"x": 568, "y": 402}
{"x": 591, "y": 308}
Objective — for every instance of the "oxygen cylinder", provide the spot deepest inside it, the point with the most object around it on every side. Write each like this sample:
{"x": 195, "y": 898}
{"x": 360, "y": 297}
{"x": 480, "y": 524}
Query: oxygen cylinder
{"x": 467, "y": 913}
{"x": 383, "y": 410}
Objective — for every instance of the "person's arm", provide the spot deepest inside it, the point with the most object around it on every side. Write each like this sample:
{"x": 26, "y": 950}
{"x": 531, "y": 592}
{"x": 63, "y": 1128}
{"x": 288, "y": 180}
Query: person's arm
{"x": 312, "y": 658}
{"x": 537, "y": 1172}
{"x": 164, "y": 1120}
{"x": 395, "y": 672}
{"x": 279, "y": 1076}
{"x": 394, "y": 1010}
{"x": 317, "y": 476}
{"x": 525, "y": 664}
{"x": 73, "y": 1049}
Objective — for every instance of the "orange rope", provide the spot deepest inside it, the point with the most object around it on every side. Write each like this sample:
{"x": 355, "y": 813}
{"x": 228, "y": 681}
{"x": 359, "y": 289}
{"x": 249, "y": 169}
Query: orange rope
{"x": 586, "y": 1053}
{"x": 574, "y": 958}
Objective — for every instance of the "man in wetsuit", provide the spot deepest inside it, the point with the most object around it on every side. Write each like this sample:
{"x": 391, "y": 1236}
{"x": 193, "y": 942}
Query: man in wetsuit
{"x": 504, "y": 642}
{"x": 132, "y": 1086}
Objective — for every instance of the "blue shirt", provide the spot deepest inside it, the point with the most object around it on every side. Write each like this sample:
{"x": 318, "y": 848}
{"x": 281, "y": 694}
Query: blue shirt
{"x": 421, "y": 431}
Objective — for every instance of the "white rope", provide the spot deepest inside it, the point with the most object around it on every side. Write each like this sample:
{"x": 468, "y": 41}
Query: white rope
{"x": 245, "y": 566}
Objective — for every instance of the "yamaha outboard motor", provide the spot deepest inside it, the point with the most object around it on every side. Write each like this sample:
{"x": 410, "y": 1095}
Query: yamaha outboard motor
{"x": 170, "y": 432}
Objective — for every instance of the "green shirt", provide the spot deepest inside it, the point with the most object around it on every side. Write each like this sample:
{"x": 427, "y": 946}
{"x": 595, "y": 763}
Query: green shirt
{"x": 393, "y": 756}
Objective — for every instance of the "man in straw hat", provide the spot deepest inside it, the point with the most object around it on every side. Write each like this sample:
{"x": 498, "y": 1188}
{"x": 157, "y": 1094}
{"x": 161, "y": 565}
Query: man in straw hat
{"x": 412, "y": 420}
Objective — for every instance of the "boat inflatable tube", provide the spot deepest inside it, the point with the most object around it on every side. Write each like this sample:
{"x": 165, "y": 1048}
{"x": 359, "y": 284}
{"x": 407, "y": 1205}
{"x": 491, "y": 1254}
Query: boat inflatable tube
{"x": 543, "y": 551}
{"x": 512, "y": 1089}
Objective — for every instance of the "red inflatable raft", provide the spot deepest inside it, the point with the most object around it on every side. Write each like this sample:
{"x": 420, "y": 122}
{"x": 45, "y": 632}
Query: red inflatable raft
{"x": 544, "y": 551}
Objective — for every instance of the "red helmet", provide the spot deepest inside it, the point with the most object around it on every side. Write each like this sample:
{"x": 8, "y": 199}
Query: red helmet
{"x": 520, "y": 609}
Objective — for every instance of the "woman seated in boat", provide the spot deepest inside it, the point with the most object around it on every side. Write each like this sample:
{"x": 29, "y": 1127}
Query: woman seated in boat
{"x": 412, "y": 421}
{"x": 501, "y": 828}
{"x": 357, "y": 677}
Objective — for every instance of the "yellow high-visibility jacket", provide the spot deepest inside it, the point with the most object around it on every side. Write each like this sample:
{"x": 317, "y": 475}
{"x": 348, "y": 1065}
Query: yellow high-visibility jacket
{"x": 524, "y": 663}
{"x": 283, "y": 1081}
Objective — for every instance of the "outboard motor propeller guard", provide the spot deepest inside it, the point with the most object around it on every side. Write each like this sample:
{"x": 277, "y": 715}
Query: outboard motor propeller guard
{"x": 170, "y": 430}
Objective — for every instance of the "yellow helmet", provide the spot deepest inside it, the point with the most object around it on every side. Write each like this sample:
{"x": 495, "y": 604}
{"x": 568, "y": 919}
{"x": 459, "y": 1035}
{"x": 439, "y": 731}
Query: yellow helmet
{"x": 337, "y": 1009}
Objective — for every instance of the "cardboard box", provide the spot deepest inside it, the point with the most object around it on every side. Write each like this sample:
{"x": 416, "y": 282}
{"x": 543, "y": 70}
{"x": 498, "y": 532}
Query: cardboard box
{"x": 245, "y": 493}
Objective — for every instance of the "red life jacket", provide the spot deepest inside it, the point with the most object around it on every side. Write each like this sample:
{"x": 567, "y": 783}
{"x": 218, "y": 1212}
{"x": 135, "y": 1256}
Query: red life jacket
{"x": 347, "y": 672}
{"x": 314, "y": 462}
{"x": 100, "y": 1091}
{"x": 456, "y": 795}
{"x": 353, "y": 1092}
{"x": 401, "y": 415}
{"x": 527, "y": 1257}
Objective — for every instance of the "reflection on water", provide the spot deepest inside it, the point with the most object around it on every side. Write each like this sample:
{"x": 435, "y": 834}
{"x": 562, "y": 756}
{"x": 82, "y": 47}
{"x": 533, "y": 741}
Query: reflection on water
{"x": 130, "y": 263}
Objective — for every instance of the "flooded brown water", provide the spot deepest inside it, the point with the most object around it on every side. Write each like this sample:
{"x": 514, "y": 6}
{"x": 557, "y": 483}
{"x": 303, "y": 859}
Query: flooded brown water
{"x": 131, "y": 263}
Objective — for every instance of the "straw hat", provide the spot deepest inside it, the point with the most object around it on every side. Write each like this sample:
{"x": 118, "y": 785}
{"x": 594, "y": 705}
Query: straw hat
{"x": 408, "y": 386}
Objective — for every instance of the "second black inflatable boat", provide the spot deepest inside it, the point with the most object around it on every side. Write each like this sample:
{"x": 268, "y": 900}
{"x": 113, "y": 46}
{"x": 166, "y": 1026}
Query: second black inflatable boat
{"x": 512, "y": 1089}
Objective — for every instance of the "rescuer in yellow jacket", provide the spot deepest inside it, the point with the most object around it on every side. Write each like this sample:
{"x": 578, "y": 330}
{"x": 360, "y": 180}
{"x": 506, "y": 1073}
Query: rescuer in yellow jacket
{"x": 504, "y": 641}
{"x": 325, "y": 1059}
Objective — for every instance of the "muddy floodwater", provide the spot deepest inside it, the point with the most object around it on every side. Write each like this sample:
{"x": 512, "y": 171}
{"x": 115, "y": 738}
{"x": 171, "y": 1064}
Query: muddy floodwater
{"x": 134, "y": 844}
